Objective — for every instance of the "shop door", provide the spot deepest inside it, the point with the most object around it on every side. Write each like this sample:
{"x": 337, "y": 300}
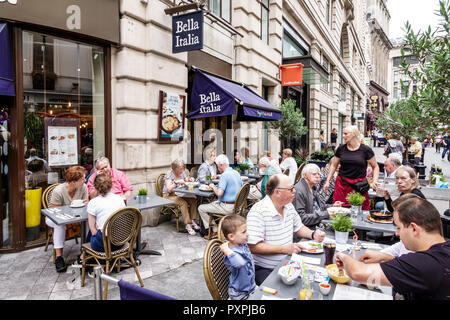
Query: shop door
{"x": 5, "y": 140}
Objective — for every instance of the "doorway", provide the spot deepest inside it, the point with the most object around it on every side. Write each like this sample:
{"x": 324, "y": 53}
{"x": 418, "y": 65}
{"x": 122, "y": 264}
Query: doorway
{"x": 5, "y": 143}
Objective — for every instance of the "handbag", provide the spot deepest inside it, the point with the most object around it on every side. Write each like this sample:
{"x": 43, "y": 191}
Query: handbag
{"x": 361, "y": 186}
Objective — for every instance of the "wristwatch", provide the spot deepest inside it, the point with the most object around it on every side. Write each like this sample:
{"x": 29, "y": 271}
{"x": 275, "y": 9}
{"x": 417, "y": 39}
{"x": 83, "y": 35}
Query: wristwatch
{"x": 312, "y": 235}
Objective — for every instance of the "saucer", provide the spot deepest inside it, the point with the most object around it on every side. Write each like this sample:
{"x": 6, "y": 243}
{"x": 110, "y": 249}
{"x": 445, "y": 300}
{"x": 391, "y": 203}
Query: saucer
{"x": 77, "y": 205}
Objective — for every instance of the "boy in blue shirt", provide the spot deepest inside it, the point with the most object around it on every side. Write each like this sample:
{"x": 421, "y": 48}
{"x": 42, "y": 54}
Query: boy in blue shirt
{"x": 238, "y": 258}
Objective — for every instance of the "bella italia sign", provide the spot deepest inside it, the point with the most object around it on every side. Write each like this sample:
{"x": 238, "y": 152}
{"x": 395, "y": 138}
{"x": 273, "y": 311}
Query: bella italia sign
{"x": 187, "y": 32}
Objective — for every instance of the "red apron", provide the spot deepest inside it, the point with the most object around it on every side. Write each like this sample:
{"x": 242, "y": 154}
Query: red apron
{"x": 342, "y": 189}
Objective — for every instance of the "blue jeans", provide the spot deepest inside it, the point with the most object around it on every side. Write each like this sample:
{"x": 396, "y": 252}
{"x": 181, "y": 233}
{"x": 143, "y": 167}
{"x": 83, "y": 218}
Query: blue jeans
{"x": 97, "y": 242}
{"x": 379, "y": 205}
{"x": 446, "y": 148}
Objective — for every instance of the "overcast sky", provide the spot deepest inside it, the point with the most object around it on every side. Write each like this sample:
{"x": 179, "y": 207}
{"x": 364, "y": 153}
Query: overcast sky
{"x": 419, "y": 13}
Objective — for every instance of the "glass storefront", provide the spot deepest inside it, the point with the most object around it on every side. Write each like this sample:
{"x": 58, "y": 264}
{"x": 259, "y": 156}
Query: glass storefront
{"x": 64, "y": 114}
{"x": 5, "y": 142}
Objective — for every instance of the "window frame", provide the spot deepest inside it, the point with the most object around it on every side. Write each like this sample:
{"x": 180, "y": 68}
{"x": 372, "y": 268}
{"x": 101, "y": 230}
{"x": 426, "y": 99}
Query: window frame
{"x": 220, "y": 10}
{"x": 265, "y": 7}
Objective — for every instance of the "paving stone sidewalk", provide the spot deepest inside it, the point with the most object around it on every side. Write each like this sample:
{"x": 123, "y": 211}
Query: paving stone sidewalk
{"x": 31, "y": 275}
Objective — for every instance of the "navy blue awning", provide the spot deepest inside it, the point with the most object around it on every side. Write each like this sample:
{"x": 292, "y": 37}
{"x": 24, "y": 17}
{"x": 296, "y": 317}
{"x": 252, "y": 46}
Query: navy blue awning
{"x": 213, "y": 96}
{"x": 6, "y": 66}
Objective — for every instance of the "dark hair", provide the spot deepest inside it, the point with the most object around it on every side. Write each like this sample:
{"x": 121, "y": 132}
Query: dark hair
{"x": 230, "y": 224}
{"x": 103, "y": 184}
{"x": 36, "y": 165}
{"x": 75, "y": 173}
{"x": 421, "y": 212}
{"x": 272, "y": 184}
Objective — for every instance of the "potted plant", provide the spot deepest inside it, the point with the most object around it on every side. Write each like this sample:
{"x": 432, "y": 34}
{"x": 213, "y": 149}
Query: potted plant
{"x": 142, "y": 195}
{"x": 342, "y": 225}
{"x": 245, "y": 167}
{"x": 238, "y": 170}
{"x": 208, "y": 179}
{"x": 355, "y": 199}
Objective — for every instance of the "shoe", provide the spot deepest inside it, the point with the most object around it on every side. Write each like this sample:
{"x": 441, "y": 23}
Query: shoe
{"x": 190, "y": 230}
{"x": 213, "y": 236}
{"x": 60, "y": 264}
{"x": 90, "y": 272}
{"x": 195, "y": 225}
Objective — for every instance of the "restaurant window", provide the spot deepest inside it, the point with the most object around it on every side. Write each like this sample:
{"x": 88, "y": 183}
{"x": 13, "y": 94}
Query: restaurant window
{"x": 265, "y": 21}
{"x": 221, "y": 8}
{"x": 64, "y": 112}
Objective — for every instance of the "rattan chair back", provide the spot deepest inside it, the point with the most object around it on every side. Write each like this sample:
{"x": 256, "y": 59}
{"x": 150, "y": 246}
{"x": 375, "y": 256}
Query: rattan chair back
{"x": 121, "y": 227}
{"x": 160, "y": 184}
{"x": 286, "y": 171}
{"x": 220, "y": 234}
{"x": 240, "y": 203}
{"x": 298, "y": 175}
{"x": 46, "y": 195}
{"x": 217, "y": 276}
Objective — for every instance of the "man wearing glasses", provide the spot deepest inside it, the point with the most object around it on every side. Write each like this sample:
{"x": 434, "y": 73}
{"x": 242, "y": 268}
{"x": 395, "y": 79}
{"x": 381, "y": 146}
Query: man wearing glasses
{"x": 121, "y": 184}
{"x": 271, "y": 224}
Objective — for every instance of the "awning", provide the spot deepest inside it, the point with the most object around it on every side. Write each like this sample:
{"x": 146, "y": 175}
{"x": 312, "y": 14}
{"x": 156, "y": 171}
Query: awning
{"x": 213, "y": 97}
{"x": 6, "y": 66}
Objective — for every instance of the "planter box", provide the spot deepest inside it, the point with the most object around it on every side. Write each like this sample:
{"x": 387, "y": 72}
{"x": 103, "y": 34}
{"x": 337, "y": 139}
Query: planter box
{"x": 320, "y": 164}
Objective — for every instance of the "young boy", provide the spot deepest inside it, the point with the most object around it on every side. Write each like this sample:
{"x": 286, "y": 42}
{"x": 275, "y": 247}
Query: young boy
{"x": 238, "y": 258}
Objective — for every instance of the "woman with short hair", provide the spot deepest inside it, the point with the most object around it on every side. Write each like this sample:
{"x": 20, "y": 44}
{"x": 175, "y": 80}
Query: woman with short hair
{"x": 63, "y": 195}
{"x": 187, "y": 202}
{"x": 208, "y": 167}
{"x": 354, "y": 158}
{"x": 406, "y": 180}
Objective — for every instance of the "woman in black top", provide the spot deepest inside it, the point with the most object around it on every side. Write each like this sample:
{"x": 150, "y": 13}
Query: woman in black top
{"x": 406, "y": 180}
{"x": 353, "y": 158}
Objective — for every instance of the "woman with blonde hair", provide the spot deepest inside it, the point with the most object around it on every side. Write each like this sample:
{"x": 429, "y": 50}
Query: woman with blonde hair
{"x": 406, "y": 180}
{"x": 208, "y": 167}
{"x": 186, "y": 202}
{"x": 354, "y": 158}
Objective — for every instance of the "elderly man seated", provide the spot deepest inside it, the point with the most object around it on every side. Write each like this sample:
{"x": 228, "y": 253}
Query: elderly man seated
{"x": 419, "y": 275}
{"x": 306, "y": 201}
{"x": 121, "y": 184}
{"x": 266, "y": 170}
{"x": 271, "y": 224}
{"x": 229, "y": 185}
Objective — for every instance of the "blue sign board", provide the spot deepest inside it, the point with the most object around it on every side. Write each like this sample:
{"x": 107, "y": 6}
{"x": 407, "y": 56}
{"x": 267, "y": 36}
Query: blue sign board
{"x": 187, "y": 32}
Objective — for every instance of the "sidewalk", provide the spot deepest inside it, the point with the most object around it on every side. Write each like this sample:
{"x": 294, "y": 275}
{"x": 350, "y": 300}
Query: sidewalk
{"x": 178, "y": 272}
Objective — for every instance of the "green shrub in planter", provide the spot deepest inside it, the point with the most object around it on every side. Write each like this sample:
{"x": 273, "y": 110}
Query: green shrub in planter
{"x": 355, "y": 199}
{"x": 245, "y": 166}
{"x": 142, "y": 192}
{"x": 342, "y": 223}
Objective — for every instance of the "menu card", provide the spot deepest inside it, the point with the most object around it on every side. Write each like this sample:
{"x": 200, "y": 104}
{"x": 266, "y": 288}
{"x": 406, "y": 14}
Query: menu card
{"x": 62, "y": 146}
{"x": 345, "y": 292}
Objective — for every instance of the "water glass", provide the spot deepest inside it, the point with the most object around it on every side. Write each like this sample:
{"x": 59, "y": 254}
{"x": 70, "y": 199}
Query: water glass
{"x": 380, "y": 189}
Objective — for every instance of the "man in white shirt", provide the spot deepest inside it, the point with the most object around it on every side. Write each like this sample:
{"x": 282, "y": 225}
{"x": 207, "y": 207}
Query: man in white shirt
{"x": 271, "y": 224}
{"x": 288, "y": 162}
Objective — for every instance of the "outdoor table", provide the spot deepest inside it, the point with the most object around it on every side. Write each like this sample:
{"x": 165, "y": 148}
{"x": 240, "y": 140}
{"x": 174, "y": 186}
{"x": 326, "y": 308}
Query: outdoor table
{"x": 249, "y": 180}
{"x": 67, "y": 215}
{"x": 292, "y": 292}
{"x": 363, "y": 224}
{"x": 196, "y": 191}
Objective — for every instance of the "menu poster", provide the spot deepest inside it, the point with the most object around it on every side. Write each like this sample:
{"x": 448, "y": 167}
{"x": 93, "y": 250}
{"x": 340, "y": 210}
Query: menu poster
{"x": 171, "y": 117}
{"x": 62, "y": 142}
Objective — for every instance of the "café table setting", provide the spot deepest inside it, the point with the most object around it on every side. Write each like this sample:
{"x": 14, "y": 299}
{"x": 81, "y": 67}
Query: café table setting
{"x": 313, "y": 275}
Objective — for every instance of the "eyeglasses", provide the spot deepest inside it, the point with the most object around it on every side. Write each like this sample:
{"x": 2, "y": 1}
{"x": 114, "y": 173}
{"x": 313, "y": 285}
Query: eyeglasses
{"x": 290, "y": 189}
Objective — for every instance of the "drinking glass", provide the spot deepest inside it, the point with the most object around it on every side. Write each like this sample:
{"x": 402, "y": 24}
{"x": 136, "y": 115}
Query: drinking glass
{"x": 329, "y": 248}
{"x": 380, "y": 189}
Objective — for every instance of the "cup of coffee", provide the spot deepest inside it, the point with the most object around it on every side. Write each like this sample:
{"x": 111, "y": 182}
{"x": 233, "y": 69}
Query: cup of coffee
{"x": 329, "y": 248}
{"x": 77, "y": 202}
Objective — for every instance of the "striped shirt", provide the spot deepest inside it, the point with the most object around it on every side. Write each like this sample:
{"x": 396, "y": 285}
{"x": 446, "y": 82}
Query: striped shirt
{"x": 264, "y": 223}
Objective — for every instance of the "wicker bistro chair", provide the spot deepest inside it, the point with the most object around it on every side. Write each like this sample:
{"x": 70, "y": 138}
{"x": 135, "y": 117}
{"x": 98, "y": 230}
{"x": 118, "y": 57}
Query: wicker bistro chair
{"x": 220, "y": 234}
{"x": 217, "y": 276}
{"x": 240, "y": 206}
{"x": 121, "y": 228}
{"x": 72, "y": 230}
{"x": 286, "y": 171}
{"x": 298, "y": 175}
{"x": 169, "y": 209}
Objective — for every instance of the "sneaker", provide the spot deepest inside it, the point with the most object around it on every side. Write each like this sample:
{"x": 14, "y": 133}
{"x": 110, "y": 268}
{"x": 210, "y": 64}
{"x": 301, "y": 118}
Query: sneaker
{"x": 60, "y": 264}
{"x": 90, "y": 272}
{"x": 195, "y": 225}
{"x": 190, "y": 230}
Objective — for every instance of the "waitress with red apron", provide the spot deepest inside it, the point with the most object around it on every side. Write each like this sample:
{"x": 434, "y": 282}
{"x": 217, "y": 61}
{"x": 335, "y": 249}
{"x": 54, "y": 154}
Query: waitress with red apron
{"x": 354, "y": 158}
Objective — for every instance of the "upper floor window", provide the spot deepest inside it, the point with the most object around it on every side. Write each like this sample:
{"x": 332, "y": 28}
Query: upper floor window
{"x": 265, "y": 21}
{"x": 293, "y": 44}
{"x": 326, "y": 83}
{"x": 221, "y": 8}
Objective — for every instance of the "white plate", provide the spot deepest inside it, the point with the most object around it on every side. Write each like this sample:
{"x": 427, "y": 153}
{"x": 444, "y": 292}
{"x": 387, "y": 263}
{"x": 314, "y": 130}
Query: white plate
{"x": 77, "y": 205}
{"x": 309, "y": 246}
{"x": 204, "y": 188}
{"x": 340, "y": 210}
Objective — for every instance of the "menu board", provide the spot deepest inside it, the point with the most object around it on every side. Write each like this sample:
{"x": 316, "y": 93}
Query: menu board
{"x": 62, "y": 145}
{"x": 171, "y": 117}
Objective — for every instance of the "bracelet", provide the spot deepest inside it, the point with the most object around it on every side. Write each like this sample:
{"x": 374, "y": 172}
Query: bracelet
{"x": 312, "y": 235}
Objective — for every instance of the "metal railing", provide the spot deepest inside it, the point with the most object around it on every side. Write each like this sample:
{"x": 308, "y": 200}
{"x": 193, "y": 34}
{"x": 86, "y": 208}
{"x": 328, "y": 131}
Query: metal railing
{"x": 98, "y": 277}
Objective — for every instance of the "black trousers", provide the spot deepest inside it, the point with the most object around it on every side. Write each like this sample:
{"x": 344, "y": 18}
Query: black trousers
{"x": 261, "y": 274}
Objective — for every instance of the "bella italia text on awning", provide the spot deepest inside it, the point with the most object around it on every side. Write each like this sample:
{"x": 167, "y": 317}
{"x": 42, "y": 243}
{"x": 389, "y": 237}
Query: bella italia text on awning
{"x": 6, "y": 66}
{"x": 213, "y": 97}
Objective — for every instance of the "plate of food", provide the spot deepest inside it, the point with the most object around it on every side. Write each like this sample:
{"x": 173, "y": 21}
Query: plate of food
{"x": 243, "y": 178}
{"x": 336, "y": 275}
{"x": 170, "y": 123}
{"x": 380, "y": 220}
{"x": 204, "y": 187}
{"x": 338, "y": 210}
{"x": 312, "y": 246}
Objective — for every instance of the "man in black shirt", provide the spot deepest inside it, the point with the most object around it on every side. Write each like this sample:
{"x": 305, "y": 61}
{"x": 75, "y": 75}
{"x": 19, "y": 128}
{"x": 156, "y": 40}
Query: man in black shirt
{"x": 421, "y": 275}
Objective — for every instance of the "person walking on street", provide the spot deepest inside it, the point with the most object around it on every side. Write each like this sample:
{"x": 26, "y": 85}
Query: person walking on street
{"x": 438, "y": 142}
{"x": 446, "y": 142}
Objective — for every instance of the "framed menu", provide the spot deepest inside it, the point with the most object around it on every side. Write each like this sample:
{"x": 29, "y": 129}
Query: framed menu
{"x": 62, "y": 141}
{"x": 171, "y": 117}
